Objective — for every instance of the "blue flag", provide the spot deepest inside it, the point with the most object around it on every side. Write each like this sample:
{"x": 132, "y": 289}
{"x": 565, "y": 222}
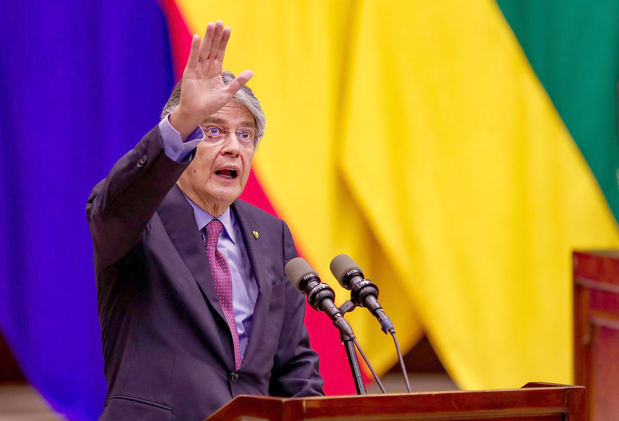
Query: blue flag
{"x": 80, "y": 83}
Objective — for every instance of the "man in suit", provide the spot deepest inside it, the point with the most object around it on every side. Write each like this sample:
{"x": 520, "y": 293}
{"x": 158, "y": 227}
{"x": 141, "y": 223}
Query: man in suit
{"x": 193, "y": 301}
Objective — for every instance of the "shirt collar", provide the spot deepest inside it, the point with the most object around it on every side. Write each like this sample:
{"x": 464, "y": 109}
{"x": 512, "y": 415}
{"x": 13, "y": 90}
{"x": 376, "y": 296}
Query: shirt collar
{"x": 203, "y": 218}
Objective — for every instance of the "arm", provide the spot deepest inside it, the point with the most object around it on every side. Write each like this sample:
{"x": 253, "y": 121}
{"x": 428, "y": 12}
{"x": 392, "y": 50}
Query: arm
{"x": 295, "y": 372}
{"x": 120, "y": 207}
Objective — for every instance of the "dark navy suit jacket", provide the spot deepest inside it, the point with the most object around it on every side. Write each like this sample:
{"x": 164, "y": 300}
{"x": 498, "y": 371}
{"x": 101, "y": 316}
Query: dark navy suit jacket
{"x": 167, "y": 349}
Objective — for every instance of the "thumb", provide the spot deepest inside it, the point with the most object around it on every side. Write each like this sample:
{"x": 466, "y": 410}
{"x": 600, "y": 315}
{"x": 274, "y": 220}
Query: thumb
{"x": 239, "y": 81}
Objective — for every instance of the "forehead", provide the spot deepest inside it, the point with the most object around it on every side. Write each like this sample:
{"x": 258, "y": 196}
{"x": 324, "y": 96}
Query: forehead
{"x": 233, "y": 113}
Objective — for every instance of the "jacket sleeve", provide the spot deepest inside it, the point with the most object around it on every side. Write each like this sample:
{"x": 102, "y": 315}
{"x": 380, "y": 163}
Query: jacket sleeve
{"x": 121, "y": 205}
{"x": 295, "y": 372}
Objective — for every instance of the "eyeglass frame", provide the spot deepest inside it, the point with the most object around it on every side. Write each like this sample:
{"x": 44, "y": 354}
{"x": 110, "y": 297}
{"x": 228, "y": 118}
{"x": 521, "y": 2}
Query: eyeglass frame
{"x": 217, "y": 139}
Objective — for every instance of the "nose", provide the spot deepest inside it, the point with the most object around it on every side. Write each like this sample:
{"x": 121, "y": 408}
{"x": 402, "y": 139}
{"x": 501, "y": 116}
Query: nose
{"x": 231, "y": 144}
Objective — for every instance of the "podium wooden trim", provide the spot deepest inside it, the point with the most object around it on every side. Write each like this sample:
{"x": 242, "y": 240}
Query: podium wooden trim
{"x": 596, "y": 330}
{"x": 535, "y": 401}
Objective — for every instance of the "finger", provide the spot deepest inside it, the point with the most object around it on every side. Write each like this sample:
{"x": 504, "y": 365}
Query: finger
{"x": 219, "y": 30}
{"x": 221, "y": 52}
{"x": 207, "y": 41}
{"x": 192, "y": 61}
{"x": 239, "y": 81}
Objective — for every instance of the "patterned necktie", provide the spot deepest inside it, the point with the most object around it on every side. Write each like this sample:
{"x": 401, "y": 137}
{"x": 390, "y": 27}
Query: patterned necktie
{"x": 223, "y": 283}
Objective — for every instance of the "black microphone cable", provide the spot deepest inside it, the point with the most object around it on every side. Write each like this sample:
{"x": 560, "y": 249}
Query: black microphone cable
{"x": 364, "y": 293}
{"x": 320, "y": 296}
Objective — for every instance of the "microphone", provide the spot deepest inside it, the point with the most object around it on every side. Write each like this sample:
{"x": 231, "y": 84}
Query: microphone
{"x": 364, "y": 293}
{"x": 319, "y": 295}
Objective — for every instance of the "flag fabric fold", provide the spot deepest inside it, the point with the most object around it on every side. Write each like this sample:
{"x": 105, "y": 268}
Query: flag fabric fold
{"x": 457, "y": 151}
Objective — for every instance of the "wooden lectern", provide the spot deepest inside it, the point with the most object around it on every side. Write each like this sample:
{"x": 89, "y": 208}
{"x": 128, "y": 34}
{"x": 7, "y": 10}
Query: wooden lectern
{"x": 596, "y": 331}
{"x": 535, "y": 402}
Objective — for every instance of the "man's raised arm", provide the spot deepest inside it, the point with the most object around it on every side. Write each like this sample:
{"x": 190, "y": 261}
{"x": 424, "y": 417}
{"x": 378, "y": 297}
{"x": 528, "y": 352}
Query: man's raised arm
{"x": 121, "y": 205}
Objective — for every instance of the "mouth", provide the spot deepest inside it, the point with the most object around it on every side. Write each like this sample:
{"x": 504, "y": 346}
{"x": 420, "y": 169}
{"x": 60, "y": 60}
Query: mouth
{"x": 230, "y": 173}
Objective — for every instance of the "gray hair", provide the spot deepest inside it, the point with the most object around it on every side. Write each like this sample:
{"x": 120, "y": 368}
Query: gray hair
{"x": 244, "y": 96}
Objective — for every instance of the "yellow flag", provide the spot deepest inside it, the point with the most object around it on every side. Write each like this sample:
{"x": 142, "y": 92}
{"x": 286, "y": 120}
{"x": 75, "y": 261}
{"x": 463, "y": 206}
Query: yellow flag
{"x": 414, "y": 136}
{"x": 472, "y": 185}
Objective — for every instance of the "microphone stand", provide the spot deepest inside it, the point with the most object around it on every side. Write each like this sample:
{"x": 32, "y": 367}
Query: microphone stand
{"x": 352, "y": 355}
{"x": 363, "y": 292}
{"x": 322, "y": 293}
{"x": 348, "y": 340}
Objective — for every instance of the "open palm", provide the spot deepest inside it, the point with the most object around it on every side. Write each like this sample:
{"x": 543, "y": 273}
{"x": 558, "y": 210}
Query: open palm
{"x": 203, "y": 91}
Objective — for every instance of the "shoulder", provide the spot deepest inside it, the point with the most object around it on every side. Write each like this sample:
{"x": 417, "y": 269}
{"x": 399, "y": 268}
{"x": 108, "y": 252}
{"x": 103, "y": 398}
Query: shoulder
{"x": 257, "y": 222}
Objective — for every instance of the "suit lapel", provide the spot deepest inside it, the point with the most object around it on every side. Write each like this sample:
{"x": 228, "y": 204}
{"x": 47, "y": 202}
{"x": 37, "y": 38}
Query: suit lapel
{"x": 248, "y": 224}
{"x": 180, "y": 223}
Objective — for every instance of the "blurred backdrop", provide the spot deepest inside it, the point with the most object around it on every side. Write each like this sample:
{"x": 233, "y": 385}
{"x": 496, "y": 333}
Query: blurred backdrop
{"x": 458, "y": 151}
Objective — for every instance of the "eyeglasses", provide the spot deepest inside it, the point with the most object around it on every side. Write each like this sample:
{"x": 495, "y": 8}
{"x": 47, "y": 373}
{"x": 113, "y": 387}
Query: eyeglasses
{"x": 215, "y": 134}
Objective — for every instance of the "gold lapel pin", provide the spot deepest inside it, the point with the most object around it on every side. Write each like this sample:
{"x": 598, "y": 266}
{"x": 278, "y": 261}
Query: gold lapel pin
{"x": 255, "y": 233}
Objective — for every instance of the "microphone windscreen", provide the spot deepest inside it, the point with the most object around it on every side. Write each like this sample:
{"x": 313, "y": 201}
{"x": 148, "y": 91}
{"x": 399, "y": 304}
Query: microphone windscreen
{"x": 296, "y": 269}
{"x": 342, "y": 264}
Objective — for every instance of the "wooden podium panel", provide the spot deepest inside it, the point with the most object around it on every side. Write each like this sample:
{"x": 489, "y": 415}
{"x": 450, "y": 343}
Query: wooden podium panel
{"x": 596, "y": 331}
{"x": 534, "y": 402}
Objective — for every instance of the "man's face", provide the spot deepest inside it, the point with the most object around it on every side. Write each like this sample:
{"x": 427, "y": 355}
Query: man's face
{"x": 219, "y": 171}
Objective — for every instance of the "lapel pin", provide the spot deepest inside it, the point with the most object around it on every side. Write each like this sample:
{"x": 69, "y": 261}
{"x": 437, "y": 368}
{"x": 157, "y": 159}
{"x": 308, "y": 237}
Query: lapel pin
{"x": 255, "y": 233}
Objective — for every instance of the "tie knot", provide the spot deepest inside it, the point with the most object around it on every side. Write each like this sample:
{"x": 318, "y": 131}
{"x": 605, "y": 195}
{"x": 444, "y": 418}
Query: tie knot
{"x": 213, "y": 229}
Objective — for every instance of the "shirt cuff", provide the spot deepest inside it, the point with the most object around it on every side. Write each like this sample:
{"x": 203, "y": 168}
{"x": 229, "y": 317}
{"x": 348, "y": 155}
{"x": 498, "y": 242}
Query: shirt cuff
{"x": 173, "y": 145}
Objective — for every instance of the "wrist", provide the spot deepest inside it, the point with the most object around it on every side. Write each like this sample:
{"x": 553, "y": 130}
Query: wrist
{"x": 182, "y": 122}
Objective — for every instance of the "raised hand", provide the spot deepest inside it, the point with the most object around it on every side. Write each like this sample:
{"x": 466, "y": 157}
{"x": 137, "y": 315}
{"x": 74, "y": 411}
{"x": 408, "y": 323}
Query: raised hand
{"x": 203, "y": 92}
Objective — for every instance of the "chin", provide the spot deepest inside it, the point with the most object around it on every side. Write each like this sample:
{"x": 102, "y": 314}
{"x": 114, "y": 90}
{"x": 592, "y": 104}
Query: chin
{"x": 227, "y": 198}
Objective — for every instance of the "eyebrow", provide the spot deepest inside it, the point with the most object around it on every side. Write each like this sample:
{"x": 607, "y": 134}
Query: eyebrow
{"x": 223, "y": 122}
